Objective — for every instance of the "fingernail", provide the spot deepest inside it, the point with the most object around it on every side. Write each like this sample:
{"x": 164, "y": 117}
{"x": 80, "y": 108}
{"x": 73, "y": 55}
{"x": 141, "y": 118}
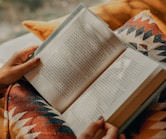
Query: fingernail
{"x": 37, "y": 60}
{"x": 101, "y": 118}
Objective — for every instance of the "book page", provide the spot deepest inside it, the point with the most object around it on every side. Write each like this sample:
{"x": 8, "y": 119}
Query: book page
{"x": 74, "y": 58}
{"x": 110, "y": 90}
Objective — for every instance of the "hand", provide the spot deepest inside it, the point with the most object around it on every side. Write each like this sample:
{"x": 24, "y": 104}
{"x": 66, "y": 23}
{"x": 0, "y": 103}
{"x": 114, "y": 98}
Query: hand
{"x": 111, "y": 132}
{"x": 17, "y": 66}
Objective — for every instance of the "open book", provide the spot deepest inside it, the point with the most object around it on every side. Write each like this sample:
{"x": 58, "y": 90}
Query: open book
{"x": 87, "y": 72}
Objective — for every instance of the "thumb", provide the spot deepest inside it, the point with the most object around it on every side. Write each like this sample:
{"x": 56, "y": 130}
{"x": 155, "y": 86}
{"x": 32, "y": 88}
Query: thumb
{"x": 111, "y": 131}
{"x": 92, "y": 129}
{"x": 29, "y": 65}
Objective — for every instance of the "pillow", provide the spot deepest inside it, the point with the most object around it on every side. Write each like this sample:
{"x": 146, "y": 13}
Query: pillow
{"x": 114, "y": 12}
{"x": 142, "y": 33}
{"x": 42, "y": 29}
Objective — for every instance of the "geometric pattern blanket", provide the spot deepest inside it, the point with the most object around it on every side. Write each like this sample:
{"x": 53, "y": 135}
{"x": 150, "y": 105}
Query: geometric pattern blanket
{"x": 26, "y": 115}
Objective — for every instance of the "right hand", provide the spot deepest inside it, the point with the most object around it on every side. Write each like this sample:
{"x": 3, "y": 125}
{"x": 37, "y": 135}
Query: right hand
{"x": 111, "y": 132}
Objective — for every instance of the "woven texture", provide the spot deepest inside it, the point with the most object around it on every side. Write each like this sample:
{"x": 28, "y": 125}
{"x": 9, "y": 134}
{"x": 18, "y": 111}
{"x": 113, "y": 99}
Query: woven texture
{"x": 142, "y": 34}
{"x": 28, "y": 116}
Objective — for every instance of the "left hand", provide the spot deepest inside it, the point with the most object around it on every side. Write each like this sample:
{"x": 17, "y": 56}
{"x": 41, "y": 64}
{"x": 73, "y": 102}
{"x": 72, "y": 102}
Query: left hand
{"x": 17, "y": 66}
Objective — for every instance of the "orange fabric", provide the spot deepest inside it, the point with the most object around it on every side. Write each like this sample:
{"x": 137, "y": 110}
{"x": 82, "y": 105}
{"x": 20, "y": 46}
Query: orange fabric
{"x": 115, "y": 13}
{"x": 27, "y": 115}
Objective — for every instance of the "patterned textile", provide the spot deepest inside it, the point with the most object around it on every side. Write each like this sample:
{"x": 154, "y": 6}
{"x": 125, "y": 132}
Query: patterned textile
{"x": 28, "y": 116}
{"x": 142, "y": 34}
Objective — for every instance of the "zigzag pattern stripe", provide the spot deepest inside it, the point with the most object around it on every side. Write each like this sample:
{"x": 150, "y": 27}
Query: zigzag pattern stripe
{"x": 142, "y": 33}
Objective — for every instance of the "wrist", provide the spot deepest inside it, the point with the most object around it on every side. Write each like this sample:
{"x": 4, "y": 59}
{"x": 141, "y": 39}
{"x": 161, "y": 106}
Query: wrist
{"x": 3, "y": 85}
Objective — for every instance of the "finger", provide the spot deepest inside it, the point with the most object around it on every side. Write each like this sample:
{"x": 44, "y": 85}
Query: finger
{"x": 92, "y": 129}
{"x": 27, "y": 66}
{"x": 112, "y": 131}
{"x": 23, "y": 55}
